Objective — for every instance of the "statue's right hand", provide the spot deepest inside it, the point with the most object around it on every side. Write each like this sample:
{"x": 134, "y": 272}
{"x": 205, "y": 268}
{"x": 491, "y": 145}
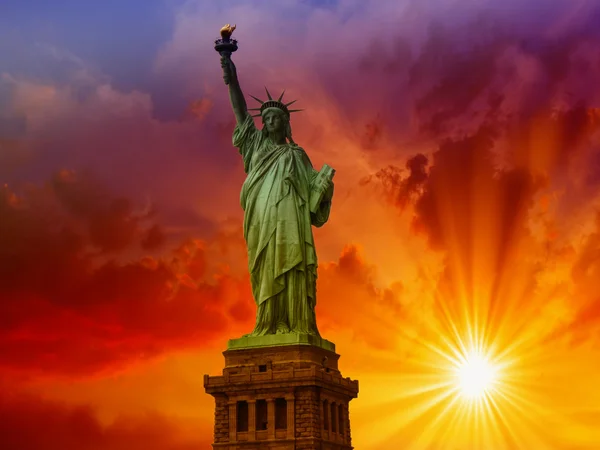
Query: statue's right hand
{"x": 225, "y": 62}
{"x": 229, "y": 72}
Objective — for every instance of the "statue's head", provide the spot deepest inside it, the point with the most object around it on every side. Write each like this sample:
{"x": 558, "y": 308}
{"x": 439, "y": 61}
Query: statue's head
{"x": 275, "y": 115}
{"x": 276, "y": 121}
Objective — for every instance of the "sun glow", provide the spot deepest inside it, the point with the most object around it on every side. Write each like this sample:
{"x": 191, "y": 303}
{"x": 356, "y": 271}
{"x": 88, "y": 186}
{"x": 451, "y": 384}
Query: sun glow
{"x": 476, "y": 375}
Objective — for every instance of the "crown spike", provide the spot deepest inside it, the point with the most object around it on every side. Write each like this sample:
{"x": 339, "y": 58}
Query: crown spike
{"x": 270, "y": 103}
{"x": 268, "y": 94}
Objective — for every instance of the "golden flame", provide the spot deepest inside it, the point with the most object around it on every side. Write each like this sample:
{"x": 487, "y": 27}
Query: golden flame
{"x": 226, "y": 31}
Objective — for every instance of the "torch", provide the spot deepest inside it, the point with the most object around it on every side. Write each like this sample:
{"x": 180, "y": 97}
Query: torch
{"x": 226, "y": 46}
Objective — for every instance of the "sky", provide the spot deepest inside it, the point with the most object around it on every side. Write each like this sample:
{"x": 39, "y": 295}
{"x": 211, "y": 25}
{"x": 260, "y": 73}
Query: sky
{"x": 466, "y": 216}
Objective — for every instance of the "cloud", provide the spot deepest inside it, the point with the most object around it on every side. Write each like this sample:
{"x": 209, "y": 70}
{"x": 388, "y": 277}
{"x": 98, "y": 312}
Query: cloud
{"x": 364, "y": 92}
{"x": 504, "y": 118}
{"x": 198, "y": 109}
{"x": 460, "y": 171}
{"x": 349, "y": 296}
{"x": 29, "y": 423}
{"x": 583, "y": 320}
{"x": 80, "y": 295}
{"x": 486, "y": 222}
{"x": 505, "y": 207}
{"x": 472, "y": 111}
{"x": 154, "y": 238}
{"x": 114, "y": 135}
{"x": 476, "y": 120}
{"x": 398, "y": 189}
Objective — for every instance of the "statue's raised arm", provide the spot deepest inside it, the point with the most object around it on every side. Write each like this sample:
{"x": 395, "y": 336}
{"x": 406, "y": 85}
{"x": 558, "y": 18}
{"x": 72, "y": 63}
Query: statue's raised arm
{"x": 225, "y": 46}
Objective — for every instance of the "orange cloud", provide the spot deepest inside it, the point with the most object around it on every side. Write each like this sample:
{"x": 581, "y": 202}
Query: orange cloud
{"x": 494, "y": 205}
{"x": 349, "y": 298}
{"x": 464, "y": 135}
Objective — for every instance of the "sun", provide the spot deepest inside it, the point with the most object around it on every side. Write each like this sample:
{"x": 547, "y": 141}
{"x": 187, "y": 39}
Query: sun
{"x": 476, "y": 375}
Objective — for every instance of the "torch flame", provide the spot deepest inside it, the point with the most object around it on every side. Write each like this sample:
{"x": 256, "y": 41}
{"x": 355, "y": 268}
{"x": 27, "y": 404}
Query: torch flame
{"x": 226, "y": 31}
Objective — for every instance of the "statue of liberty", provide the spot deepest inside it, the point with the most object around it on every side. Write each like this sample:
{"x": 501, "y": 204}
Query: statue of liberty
{"x": 283, "y": 196}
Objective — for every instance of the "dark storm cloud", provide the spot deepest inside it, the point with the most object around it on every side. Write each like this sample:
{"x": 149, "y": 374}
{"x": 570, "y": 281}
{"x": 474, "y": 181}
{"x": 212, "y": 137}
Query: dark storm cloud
{"x": 78, "y": 298}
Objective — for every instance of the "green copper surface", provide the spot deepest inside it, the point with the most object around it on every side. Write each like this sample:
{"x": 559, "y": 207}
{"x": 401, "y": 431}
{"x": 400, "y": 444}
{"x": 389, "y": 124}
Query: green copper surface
{"x": 278, "y": 221}
{"x": 275, "y": 340}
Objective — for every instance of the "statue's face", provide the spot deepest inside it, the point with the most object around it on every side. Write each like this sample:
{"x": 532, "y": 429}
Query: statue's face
{"x": 274, "y": 122}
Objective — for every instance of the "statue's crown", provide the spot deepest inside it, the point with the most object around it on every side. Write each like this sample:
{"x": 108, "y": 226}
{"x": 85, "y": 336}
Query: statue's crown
{"x": 273, "y": 104}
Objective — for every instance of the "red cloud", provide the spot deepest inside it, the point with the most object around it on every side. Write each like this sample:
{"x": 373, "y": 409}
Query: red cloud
{"x": 77, "y": 299}
{"x": 31, "y": 423}
{"x": 461, "y": 183}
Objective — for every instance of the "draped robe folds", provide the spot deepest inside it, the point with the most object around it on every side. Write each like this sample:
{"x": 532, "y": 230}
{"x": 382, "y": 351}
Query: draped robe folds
{"x": 277, "y": 227}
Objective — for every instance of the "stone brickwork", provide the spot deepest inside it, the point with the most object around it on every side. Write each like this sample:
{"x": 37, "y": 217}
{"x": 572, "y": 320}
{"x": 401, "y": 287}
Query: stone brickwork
{"x": 308, "y": 414}
{"x": 296, "y": 356}
{"x": 347, "y": 435}
{"x": 302, "y": 377}
{"x": 221, "y": 418}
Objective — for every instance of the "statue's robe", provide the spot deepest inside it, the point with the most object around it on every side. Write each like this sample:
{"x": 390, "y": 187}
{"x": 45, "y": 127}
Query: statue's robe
{"x": 277, "y": 227}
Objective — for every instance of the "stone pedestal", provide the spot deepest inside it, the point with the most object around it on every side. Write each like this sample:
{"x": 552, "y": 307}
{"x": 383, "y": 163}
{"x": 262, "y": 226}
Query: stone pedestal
{"x": 282, "y": 396}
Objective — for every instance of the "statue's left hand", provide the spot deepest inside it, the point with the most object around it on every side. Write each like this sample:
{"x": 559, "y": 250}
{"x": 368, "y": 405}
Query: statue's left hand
{"x": 326, "y": 185}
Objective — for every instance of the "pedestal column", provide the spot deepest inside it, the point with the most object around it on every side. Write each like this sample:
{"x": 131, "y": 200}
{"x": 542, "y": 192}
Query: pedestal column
{"x": 232, "y": 421}
{"x": 326, "y": 421}
{"x": 341, "y": 424}
{"x": 291, "y": 417}
{"x": 333, "y": 425}
{"x": 271, "y": 418}
{"x": 251, "y": 420}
